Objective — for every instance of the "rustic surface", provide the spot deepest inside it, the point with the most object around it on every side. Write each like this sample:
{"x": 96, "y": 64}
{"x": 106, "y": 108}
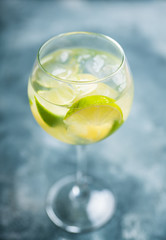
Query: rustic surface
{"x": 132, "y": 161}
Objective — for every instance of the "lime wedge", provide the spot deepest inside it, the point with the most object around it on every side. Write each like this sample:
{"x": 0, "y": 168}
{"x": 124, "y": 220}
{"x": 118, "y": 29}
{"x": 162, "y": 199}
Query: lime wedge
{"x": 93, "y": 118}
{"x": 51, "y": 117}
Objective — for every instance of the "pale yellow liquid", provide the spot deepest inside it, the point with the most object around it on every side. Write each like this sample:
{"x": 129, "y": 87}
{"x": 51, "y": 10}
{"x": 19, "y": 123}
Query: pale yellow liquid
{"x": 57, "y": 97}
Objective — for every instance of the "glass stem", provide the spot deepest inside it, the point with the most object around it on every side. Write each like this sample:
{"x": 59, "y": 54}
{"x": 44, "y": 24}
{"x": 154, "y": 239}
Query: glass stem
{"x": 80, "y": 189}
{"x": 81, "y": 165}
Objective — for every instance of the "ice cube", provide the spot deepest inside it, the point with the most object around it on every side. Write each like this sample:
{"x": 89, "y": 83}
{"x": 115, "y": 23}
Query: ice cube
{"x": 64, "y": 56}
{"x": 120, "y": 80}
{"x": 94, "y": 65}
{"x": 82, "y": 58}
{"x": 98, "y": 63}
{"x": 58, "y": 71}
{"x": 109, "y": 69}
{"x": 65, "y": 72}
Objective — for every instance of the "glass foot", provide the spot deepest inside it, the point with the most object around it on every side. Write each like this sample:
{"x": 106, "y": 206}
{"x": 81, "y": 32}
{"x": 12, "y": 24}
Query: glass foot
{"x": 79, "y": 209}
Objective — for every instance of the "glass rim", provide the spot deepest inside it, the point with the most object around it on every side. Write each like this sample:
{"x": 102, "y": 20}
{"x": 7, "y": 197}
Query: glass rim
{"x": 80, "y": 81}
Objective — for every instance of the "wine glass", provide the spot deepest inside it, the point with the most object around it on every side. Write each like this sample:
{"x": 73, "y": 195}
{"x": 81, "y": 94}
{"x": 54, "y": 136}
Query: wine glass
{"x": 80, "y": 91}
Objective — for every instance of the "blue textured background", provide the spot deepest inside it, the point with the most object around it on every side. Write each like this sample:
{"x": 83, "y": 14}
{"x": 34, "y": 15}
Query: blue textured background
{"x": 132, "y": 161}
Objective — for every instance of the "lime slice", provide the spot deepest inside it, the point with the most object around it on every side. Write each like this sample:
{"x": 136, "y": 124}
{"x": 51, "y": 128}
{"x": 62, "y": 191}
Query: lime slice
{"x": 62, "y": 94}
{"x": 50, "y": 114}
{"x": 105, "y": 90}
{"x": 93, "y": 118}
{"x": 84, "y": 89}
{"x": 85, "y": 77}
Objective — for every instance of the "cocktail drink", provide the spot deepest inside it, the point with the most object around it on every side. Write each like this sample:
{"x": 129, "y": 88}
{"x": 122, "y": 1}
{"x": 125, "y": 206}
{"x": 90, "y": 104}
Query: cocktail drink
{"x": 80, "y": 92}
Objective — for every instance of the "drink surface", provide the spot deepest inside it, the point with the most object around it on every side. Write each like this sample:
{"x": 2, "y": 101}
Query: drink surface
{"x": 70, "y": 103}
